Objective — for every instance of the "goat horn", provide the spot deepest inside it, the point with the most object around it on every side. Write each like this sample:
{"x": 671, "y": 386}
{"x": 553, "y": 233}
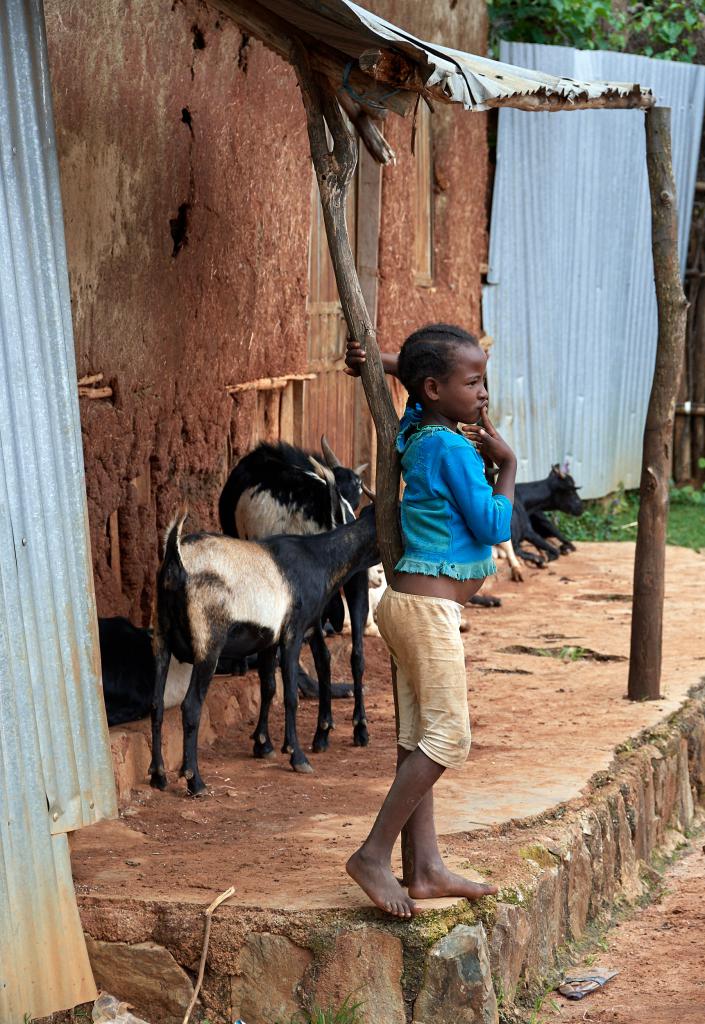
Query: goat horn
{"x": 359, "y": 470}
{"x": 319, "y": 468}
{"x": 369, "y": 492}
{"x": 329, "y": 454}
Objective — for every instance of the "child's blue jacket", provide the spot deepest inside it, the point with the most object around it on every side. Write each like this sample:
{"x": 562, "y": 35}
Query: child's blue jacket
{"x": 450, "y": 517}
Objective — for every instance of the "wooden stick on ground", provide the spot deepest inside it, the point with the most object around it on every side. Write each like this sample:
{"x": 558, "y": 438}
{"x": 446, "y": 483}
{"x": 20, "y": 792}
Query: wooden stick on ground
{"x": 650, "y": 557}
{"x": 204, "y": 953}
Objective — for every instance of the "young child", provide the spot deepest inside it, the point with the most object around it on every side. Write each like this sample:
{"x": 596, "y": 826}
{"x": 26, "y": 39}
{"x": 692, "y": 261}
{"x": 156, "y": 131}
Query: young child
{"x": 450, "y": 518}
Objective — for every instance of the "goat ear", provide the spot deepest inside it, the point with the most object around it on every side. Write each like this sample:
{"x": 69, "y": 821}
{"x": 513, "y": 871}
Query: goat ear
{"x": 359, "y": 470}
{"x": 329, "y": 455}
{"x": 556, "y": 469}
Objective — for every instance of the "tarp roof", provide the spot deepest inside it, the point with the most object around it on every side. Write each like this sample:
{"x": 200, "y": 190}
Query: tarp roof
{"x": 476, "y": 82}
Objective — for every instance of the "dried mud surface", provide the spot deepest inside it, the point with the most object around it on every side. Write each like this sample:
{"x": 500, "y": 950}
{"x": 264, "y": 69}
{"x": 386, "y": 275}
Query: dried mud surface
{"x": 542, "y": 725}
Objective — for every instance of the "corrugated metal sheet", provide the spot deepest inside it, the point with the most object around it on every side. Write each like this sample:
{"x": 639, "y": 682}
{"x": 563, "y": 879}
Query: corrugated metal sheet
{"x": 570, "y": 298}
{"x": 55, "y": 768}
{"x": 476, "y": 82}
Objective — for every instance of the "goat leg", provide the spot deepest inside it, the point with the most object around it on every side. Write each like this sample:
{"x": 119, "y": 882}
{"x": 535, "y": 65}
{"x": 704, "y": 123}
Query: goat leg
{"x": 321, "y": 659}
{"x": 529, "y": 556}
{"x": 357, "y": 595}
{"x": 542, "y": 545}
{"x": 308, "y": 687}
{"x": 545, "y": 527}
{"x": 289, "y": 661}
{"x": 266, "y": 665}
{"x": 191, "y": 708}
{"x": 162, "y": 657}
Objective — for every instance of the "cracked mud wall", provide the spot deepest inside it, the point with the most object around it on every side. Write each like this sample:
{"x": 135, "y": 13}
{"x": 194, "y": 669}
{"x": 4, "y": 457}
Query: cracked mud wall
{"x": 186, "y": 180}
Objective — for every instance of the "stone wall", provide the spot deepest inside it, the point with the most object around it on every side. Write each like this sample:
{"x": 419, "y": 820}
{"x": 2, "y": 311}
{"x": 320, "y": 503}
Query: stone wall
{"x": 565, "y": 872}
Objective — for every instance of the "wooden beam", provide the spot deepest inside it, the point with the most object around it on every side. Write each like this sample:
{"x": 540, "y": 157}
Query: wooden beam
{"x": 395, "y": 70}
{"x": 266, "y": 383}
{"x": 334, "y": 172}
{"x": 367, "y": 128}
{"x": 279, "y": 36}
{"x": 650, "y": 557}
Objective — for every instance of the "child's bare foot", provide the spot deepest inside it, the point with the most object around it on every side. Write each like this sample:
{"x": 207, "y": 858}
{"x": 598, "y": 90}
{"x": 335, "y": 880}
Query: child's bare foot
{"x": 378, "y": 882}
{"x": 432, "y": 883}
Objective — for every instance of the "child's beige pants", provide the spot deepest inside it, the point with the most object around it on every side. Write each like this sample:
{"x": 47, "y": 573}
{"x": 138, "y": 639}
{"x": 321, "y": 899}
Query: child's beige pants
{"x": 423, "y": 636}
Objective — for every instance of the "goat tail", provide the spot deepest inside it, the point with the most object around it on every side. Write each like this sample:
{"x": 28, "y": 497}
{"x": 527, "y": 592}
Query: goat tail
{"x": 172, "y": 541}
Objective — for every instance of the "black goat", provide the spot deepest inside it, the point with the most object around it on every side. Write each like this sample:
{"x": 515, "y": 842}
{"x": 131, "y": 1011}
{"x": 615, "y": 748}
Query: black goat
{"x": 128, "y": 667}
{"x": 257, "y": 596}
{"x": 280, "y": 489}
{"x": 557, "y": 492}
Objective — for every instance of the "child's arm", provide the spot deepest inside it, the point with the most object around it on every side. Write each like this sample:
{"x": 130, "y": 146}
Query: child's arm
{"x": 490, "y": 445}
{"x": 355, "y": 357}
{"x": 487, "y": 513}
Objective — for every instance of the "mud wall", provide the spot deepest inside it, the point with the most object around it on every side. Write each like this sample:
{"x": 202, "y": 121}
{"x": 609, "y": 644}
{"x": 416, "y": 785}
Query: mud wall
{"x": 460, "y": 164}
{"x": 186, "y": 188}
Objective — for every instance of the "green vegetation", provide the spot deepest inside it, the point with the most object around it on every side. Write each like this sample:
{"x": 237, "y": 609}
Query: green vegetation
{"x": 348, "y": 1013}
{"x": 660, "y": 28}
{"x": 615, "y": 518}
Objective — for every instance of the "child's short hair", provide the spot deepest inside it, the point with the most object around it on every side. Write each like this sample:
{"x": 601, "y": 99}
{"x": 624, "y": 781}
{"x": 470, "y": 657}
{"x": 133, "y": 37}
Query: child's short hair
{"x": 429, "y": 352}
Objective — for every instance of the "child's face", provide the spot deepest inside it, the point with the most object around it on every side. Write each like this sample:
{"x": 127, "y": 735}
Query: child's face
{"x": 462, "y": 395}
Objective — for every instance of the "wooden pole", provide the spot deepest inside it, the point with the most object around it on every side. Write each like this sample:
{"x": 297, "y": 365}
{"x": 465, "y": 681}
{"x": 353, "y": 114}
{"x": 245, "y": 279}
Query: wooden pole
{"x": 334, "y": 170}
{"x": 650, "y": 558}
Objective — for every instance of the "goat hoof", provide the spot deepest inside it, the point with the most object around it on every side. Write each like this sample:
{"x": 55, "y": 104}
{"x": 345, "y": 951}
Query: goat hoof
{"x": 361, "y": 737}
{"x": 320, "y": 741}
{"x": 157, "y": 780}
{"x": 196, "y": 787}
{"x": 303, "y": 767}
{"x": 263, "y": 750}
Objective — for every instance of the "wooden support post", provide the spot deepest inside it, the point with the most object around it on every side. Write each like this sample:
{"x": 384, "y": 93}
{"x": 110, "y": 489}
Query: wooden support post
{"x": 650, "y": 558}
{"x": 334, "y": 171}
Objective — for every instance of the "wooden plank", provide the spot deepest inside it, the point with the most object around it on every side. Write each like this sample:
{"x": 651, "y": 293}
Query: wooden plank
{"x": 423, "y": 199}
{"x": 271, "y": 400}
{"x": 114, "y": 547}
{"x": 286, "y": 414}
{"x": 299, "y": 402}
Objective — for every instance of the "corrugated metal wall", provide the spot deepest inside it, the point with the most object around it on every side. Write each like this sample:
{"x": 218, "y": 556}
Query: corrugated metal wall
{"x": 55, "y": 768}
{"x": 570, "y": 298}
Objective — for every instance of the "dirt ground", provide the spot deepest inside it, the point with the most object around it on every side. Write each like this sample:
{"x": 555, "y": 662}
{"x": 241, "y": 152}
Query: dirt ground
{"x": 660, "y": 955}
{"x": 542, "y": 725}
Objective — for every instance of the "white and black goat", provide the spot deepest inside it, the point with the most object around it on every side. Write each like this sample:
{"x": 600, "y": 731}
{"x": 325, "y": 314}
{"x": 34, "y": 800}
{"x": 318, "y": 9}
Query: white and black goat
{"x": 280, "y": 489}
{"x": 258, "y": 596}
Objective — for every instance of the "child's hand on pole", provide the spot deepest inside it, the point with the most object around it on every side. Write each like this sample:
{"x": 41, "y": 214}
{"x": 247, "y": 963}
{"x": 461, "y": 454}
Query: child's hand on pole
{"x": 354, "y": 357}
{"x": 487, "y": 441}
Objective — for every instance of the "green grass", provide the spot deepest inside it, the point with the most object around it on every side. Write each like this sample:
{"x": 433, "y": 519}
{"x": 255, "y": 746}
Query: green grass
{"x": 614, "y": 518}
{"x": 347, "y": 1013}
